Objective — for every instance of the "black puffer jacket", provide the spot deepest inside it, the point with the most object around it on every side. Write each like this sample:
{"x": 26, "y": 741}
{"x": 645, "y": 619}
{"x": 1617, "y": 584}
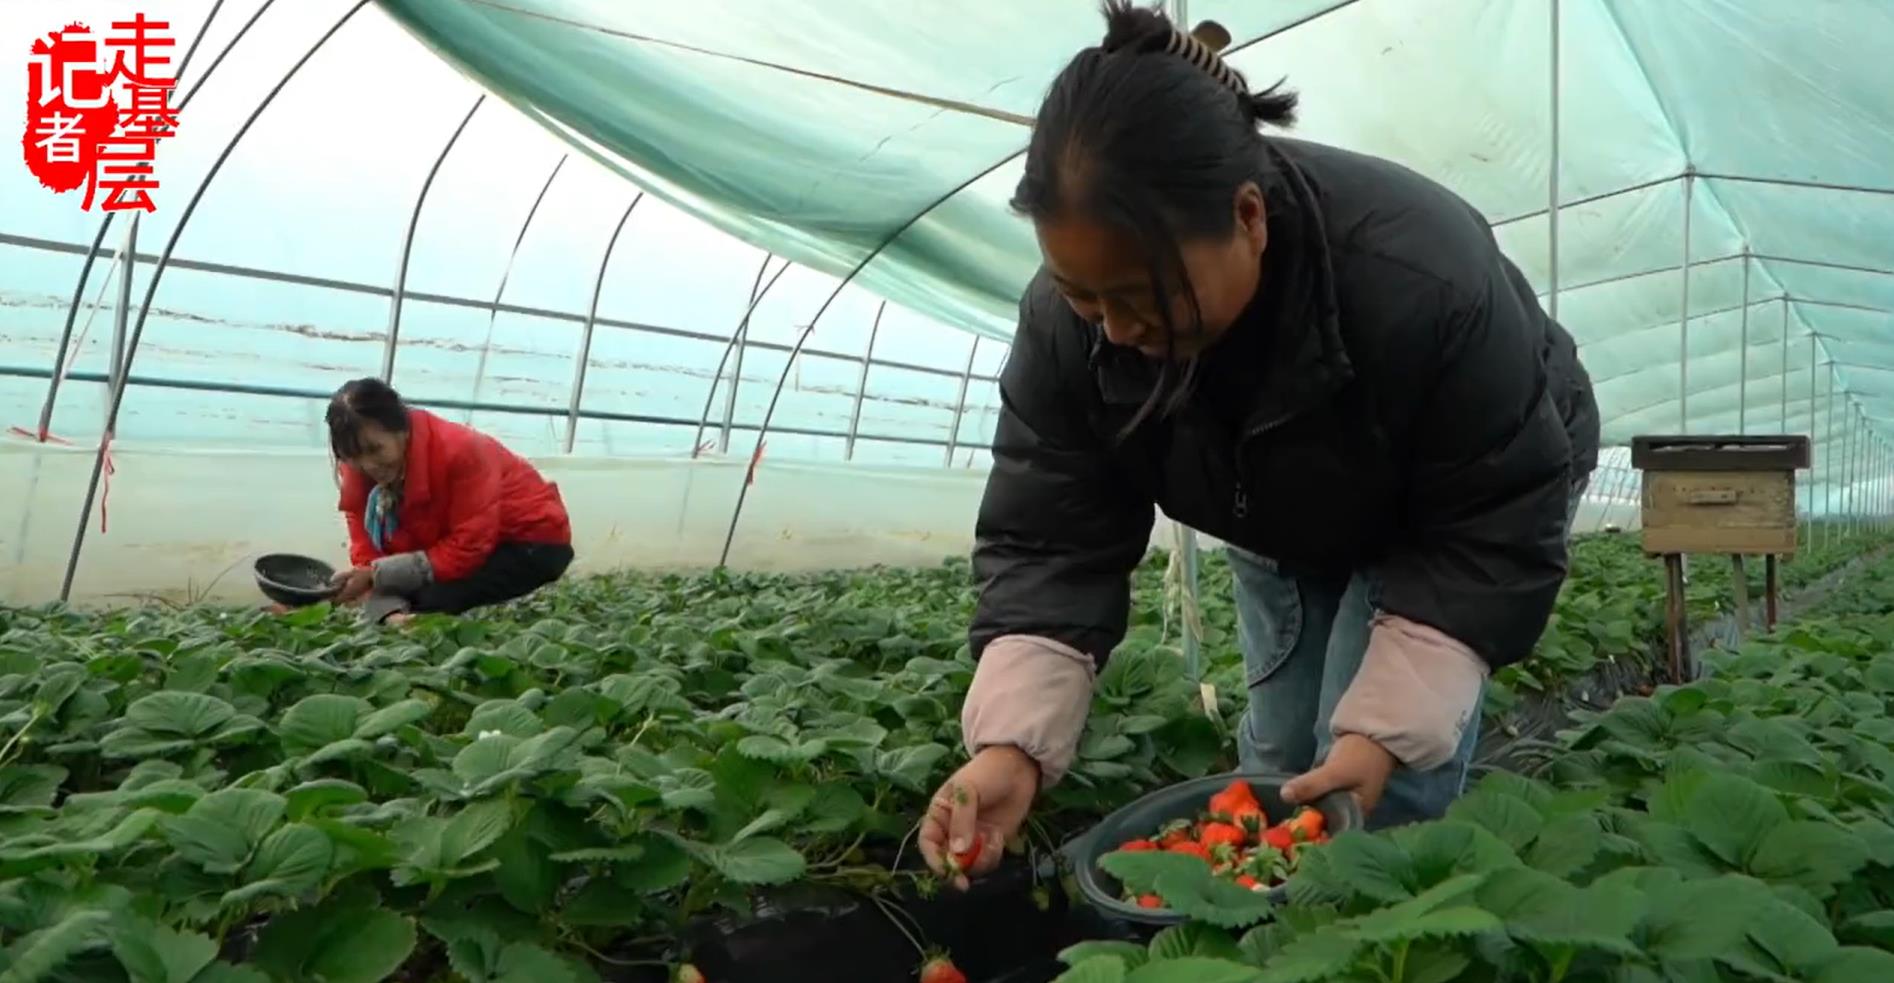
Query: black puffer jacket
{"x": 1394, "y": 401}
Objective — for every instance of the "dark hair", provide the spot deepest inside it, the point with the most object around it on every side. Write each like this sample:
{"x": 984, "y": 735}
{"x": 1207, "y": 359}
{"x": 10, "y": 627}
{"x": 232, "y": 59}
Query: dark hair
{"x": 1141, "y": 137}
{"x": 359, "y": 402}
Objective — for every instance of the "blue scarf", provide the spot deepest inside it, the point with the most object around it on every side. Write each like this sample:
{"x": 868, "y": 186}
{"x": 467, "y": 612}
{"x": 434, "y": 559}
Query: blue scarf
{"x": 379, "y": 517}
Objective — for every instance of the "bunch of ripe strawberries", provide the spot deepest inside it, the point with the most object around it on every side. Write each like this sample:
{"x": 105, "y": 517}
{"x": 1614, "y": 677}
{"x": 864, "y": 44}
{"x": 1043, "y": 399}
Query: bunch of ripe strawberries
{"x": 1235, "y": 838}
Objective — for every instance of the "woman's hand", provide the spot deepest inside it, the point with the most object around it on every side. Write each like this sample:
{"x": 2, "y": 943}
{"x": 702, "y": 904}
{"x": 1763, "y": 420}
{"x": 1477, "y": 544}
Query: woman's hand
{"x": 353, "y": 585}
{"x": 1355, "y": 764}
{"x": 985, "y": 802}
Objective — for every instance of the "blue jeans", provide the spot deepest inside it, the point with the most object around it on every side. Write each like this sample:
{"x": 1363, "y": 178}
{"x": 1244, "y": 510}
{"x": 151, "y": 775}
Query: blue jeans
{"x": 1303, "y": 640}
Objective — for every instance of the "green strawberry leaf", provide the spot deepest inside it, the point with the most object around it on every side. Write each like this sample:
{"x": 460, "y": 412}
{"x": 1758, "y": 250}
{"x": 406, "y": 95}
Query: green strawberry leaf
{"x": 222, "y": 829}
{"x": 341, "y": 940}
{"x": 320, "y": 720}
{"x": 1097, "y": 969}
{"x": 1814, "y": 855}
{"x": 290, "y": 861}
{"x": 1511, "y": 819}
{"x": 1130, "y": 954}
{"x": 1318, "y": 956}
{"x": 1730, "y": 814}
{"x": 1192, "y": 939}
{"x": 1540, "y": 908}
{"x": 154, "y": 953}
{"x": 1193, "y": 969}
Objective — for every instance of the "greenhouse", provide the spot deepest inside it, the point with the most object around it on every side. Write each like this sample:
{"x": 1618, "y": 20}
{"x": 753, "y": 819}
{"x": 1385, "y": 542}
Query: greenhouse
{"x": 741, "y": 280}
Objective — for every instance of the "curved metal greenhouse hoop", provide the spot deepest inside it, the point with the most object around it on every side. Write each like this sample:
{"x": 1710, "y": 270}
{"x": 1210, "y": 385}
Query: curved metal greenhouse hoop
{"x": 493, "y": 312}
{"x": 742, "y": 329}
{"x": 591, "y": 322}
{"x": 157, "y": 276}
{"x": 407, "y": 243}
{"x": 743, "y": 493}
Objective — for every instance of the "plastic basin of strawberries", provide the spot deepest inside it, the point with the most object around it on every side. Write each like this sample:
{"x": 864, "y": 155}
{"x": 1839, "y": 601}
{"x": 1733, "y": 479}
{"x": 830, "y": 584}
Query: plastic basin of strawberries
{"x": 1238, "y": 824}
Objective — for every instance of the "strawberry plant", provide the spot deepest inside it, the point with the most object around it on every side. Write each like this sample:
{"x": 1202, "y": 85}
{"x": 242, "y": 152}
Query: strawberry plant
{"x": 1739, "y": 828}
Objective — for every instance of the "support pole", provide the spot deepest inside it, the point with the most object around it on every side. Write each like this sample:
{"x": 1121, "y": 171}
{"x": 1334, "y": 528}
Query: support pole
{"x": 1772, "y": 592}
{"x": 1742, "y": 379}
{"x": 1857, "y": 464}
{"x": 1785, "y": 365}
{"x": 1187, "y": 537}
{"x": 1683, "y": 314}
{"x": 1856, "y": 429}
{"x": 1814, "y": 454}
{"x": 1552, "y": 181}
{"x": 1675, "y": 619}
{"x": 1845, "y": 493}
{"x": 121, "y": 319}
{"x": 1828, "y": 443}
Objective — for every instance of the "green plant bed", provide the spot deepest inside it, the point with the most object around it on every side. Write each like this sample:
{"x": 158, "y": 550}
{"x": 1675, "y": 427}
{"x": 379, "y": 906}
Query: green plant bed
{"x": 563, "y": 789}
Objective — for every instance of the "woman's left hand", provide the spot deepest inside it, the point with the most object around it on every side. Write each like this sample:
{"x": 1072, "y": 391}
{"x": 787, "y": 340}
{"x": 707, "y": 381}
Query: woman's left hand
{"x": 352, "y": 585}
{"x": 1355, "y": 764}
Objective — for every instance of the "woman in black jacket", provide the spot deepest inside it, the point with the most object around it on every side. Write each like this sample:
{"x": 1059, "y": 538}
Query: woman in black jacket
{"x": 1318, "y": 357}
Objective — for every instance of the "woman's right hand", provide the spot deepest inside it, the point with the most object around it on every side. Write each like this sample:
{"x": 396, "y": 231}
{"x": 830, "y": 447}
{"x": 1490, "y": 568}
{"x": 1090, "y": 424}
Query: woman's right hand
{"x": 352, "y": 585}
{"x": 985, "y": 802}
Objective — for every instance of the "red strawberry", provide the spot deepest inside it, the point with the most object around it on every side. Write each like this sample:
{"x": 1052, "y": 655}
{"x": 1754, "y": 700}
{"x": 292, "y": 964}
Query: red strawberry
{"x": 1308, "y": 823}
{"x": 1280, "y": 837}
{"x": 1176, "y": 832}
{"x": 1150, "y": 901}
{"x": 1237, "y": 795}
{"x": 1245, "y": 880}
{"x": 940, "y": 969}
{"x": 962, "y": 862}
{"x": 1221, "y": 834}
{"x": 1138, "y": 846}
{"x": 1194, "y": 849}
{"x": 1249, "y": 819}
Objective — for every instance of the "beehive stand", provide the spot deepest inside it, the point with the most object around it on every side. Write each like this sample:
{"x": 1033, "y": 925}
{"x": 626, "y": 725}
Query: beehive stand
{"x": 1729, "y": 495}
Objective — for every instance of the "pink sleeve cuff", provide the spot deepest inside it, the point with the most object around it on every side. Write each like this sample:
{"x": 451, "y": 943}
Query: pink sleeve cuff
{"x": 1415, "y": 692}
{"x": 1031, "y": 693}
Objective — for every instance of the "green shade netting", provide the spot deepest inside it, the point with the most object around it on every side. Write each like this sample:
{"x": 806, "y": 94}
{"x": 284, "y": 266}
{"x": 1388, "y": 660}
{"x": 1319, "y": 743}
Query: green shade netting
{"x": 880, "y": 141}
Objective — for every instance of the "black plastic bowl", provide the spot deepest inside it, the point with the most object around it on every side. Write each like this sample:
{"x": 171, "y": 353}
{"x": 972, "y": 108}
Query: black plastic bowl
{"x": 1185, "y": 800}
{"x": 297, "y": 581}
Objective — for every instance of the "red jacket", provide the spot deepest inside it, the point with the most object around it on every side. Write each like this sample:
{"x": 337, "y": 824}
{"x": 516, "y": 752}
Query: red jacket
{"x": 464, "y": 494}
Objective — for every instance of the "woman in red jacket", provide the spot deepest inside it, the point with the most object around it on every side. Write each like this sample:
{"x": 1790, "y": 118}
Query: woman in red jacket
{"x": 441, "y": 518}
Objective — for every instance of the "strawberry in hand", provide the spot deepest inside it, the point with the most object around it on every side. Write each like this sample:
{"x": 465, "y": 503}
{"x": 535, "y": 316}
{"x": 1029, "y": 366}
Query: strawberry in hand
{"x": 960, "y": 864}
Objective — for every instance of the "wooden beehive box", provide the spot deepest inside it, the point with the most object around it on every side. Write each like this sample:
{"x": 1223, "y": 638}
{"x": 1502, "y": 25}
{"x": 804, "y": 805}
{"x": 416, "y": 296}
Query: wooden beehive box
{"x": 1719, "y": 494}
